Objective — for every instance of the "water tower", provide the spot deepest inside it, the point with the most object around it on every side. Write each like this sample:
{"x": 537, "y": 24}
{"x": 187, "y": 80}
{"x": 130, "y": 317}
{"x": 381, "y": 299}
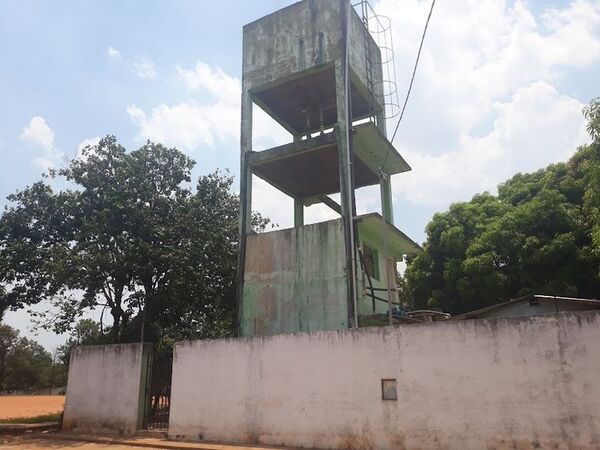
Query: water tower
{"x": 317, "y": 68}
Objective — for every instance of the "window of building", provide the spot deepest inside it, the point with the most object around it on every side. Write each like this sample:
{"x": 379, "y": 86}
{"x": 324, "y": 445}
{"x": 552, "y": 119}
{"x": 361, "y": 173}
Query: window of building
{"x": 371, "y": 261}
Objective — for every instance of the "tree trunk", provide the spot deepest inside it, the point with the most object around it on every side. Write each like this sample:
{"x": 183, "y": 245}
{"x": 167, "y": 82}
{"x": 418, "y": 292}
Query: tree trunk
{"x": 114, "y": 332}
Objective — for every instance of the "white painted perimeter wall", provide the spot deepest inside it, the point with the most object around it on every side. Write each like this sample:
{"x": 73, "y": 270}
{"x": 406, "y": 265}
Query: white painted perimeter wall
{"x": 105, "y": 388}
{"x": 522, "y": 383}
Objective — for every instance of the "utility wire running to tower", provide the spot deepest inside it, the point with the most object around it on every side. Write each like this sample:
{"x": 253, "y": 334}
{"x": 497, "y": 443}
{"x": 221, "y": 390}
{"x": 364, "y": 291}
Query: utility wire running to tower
{"x": 412, "y": 80}
{"x": 381, "y": 171}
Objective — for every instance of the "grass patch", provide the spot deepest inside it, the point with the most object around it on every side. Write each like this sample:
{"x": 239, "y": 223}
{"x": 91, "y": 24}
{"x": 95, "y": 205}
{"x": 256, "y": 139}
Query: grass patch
{"x": 37, "y": 419}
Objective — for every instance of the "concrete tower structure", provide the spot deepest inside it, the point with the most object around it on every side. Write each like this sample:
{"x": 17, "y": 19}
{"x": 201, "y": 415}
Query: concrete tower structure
{"x": 315, "y": 68}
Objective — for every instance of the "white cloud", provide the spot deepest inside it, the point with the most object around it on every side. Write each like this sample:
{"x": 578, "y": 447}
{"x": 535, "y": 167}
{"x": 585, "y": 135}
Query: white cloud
{"x": 113, "y": 53}
{"x": 213, "y": 80}
{"x": 89, "y": 142}
{"x": 200, "y": 121}
{"x": 278, "y": 207}
{"x": 536, "y": 127}
{"x": 272, "y": 203}
{"x": 39, "y": 133}
{"x": 485, "y": 103}
{"x": 43, "y": 162}
{"x": 144, "y": 68}
{"x": 186, "y": 125}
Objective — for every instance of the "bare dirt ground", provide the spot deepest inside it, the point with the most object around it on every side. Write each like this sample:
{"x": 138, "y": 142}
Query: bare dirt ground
{"x": 41, "y": 442}
{"x": 27, "y": 443}
{"x": 30, "y": 406}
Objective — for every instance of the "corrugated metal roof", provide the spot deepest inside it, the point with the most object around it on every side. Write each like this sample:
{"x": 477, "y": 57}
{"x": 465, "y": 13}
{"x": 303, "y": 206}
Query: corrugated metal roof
{"x": 592, "y": 303}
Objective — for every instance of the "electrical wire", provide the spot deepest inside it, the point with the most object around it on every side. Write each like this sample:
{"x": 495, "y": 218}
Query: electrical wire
{"x": 389, "y": 270}
{"x": 412, "y": 80}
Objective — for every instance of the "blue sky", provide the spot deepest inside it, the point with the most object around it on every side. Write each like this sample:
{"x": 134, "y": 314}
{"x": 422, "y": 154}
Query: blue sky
{"x": 499, "y": 90}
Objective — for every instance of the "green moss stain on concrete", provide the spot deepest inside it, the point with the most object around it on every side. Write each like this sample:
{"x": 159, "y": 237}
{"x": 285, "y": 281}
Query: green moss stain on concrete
{"x": 295, "y": 281}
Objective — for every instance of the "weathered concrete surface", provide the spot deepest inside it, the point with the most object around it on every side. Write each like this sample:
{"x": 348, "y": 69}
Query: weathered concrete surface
{"x": 295, "y": 67}
{"x": 520, "y": 383}
{"x": 289, "y": 58}
{"x": 295, "y": 280}
{"x": 105, "y": 391}
{"x": 305, "y": 35}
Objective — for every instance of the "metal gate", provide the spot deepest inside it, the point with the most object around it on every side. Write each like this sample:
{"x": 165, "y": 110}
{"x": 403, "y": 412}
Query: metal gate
{"x": 159, "y": 391}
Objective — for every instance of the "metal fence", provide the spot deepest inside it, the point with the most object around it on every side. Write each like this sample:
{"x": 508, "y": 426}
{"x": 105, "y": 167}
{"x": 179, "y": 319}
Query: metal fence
{"x": 159, "y": 395}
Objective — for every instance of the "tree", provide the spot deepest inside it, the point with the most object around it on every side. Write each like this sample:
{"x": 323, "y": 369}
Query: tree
{"x": 436, "y": 278}
{"x": 85, "y": 332}
{"x": 30, "y": 366}
{"x": 540, "y": 234}
{"x": 8, "y": 338}
{"x": 130, "y": 238}
{"x": 592, "y": 114}
{"x": 34, "y": 237}
{"x": 24, "y": 364}
{"x": 592, "y": 196}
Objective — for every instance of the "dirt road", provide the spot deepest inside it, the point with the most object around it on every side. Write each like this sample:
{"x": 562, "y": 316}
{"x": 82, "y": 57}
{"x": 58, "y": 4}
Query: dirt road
{"x": 56, "y": 441}
{"x": 30, "y": 406}
{"x": 26, "y": 443}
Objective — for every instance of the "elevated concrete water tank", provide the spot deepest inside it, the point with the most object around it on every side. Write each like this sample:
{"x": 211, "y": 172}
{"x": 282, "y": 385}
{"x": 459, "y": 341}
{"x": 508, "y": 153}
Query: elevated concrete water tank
{"x": 289, "y": 62}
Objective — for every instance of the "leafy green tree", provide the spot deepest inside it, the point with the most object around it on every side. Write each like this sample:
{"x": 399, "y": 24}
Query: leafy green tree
{"x": 131, "y": 237}
{"x": 85, "y": 332}
{"x": 592, "y": 114}
{"x": 436, "y": 278}
{"x": 24, "y": 364}
{"x": 34, "y": 237}
{"x": 30, "y": 366}
{"x": 8, "y": 338}
{"x": 540, "y": 234}
{"x": 592, "y": 196}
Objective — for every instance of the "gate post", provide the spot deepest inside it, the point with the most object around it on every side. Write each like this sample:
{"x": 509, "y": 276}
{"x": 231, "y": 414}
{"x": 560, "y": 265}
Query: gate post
{"x": 106, "y": 388}
{"x": 146, "y": 379}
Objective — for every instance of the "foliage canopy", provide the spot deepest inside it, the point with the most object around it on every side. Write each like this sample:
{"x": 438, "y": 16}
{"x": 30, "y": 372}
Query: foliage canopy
{"x": 25, "y": 365}
{"x": 540, "y": 234}
{"x": 128, "y": 235}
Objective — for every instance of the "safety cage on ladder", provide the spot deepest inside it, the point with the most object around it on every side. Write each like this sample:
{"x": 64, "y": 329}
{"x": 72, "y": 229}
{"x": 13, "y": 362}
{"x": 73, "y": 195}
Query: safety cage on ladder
{"x": 384, "y": 90}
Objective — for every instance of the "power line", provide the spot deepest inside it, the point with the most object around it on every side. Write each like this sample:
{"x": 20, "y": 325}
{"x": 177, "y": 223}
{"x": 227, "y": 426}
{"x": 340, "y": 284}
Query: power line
{"x": 412, "y": 80}
{"x": 381, "y": 173}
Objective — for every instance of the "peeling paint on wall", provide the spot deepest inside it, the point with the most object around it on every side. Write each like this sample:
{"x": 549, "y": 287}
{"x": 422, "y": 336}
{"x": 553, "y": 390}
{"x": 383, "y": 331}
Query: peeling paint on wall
{"x": 106, "y": 388}
{"x": 526, "y": 383}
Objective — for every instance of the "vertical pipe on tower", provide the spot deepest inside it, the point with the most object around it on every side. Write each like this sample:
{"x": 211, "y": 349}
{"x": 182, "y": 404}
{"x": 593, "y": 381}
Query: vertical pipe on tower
{"x": 344, "y": 124}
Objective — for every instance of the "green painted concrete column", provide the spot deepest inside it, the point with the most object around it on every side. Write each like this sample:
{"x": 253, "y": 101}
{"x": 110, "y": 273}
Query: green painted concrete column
{"x": 245, "y": 197}
{"x": 298, "y": 213}
{"x": 344, "y": 124}
{"x": 387, "y": 208}
{"x": 298, "y": 203}
{"x": 385, "y": 186}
